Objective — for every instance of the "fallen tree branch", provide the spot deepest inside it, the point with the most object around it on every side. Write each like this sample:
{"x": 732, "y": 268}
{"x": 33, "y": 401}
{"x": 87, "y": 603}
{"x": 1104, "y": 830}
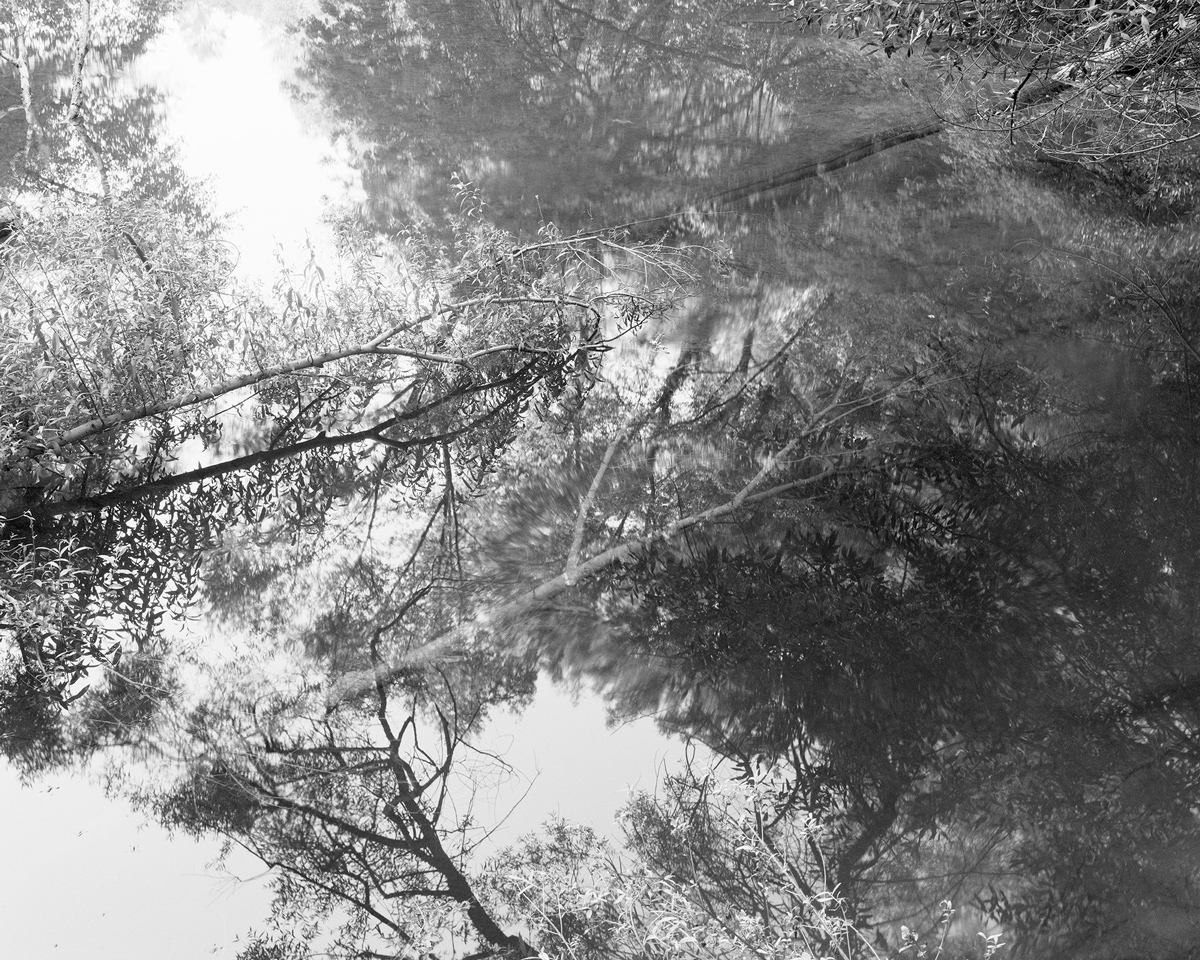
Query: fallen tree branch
{"x": 851, "y": 153}
{"x": 374, "y": 347}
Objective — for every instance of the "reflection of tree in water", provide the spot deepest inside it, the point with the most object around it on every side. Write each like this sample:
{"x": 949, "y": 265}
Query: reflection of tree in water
{"x": 561, "y": 111}
{"x": 939, "y": 582}
{"x": 362, "y": 812}
{"x": 982, "y": 638}
{"x": 82, "y": 135}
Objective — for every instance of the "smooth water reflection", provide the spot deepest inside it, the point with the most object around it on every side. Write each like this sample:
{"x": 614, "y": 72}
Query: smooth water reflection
{"x": 271, "y": 162}
{"x": 972, "y": 652}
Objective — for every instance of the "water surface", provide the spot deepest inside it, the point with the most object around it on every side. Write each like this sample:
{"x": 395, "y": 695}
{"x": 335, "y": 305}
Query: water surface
{"x": 888, "y": 502}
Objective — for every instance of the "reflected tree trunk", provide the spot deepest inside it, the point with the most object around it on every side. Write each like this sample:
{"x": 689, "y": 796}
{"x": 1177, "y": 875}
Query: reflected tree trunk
{"x": 83, "y": 44}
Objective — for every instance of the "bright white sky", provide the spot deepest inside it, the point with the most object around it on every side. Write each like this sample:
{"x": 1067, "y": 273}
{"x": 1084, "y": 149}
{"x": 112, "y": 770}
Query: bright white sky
{"x": 84, "y": 879}
{"x": 272, "y": 163}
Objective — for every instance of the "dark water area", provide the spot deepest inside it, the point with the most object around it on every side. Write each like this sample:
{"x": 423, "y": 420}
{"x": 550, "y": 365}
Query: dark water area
{"x": 561, "y": 115}
{"x": 879, "y": 482}
{"x": 979, "y": 723}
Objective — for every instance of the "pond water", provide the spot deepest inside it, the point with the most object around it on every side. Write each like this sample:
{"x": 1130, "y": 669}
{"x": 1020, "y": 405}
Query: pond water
{"x": 716, "y": 371}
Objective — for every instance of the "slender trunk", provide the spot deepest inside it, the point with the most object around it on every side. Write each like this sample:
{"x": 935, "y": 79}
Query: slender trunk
{"x": 871, "y": 834}
{"x": 853, "y": 152}
{"x": 689, "y": 357}
{"x": 654, "y": 227}
{"x": 457, "y": 884}
{"x": 83, "y": 43}
{"x": 157, "y": 489}
{"x": 31, "y": 121}
{"x": 747, "y": 355}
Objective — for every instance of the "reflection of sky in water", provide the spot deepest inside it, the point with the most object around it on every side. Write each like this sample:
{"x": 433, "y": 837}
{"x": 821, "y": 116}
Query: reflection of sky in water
{"x": 270, "y": 161}
{"x": 571, "y": 763}
{"x": 123, "y": 889}
{"x": 273, "y": 163}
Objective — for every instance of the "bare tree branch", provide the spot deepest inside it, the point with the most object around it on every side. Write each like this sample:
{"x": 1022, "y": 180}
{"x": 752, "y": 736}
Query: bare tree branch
{"x": 450, "y": 640}
{"x": 586, "y": 501}
{"x": 374, "y": 347}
